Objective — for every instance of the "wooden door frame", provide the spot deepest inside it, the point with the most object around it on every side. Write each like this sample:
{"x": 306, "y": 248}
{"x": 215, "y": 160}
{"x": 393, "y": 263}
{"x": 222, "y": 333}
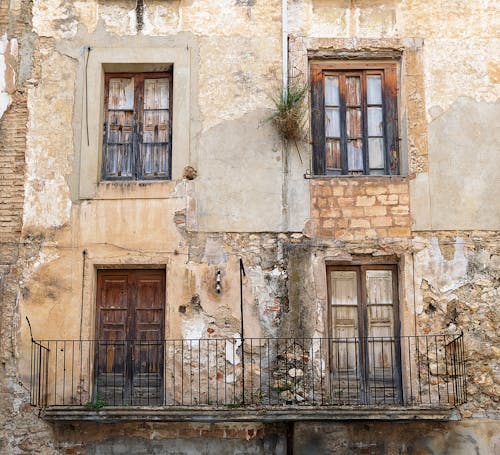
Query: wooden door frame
{"x": 128, "y": 373}
{"x": 360, "y": 267}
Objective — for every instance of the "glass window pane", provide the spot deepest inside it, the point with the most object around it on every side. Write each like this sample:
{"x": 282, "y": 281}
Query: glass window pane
{"x": 353, "y": 95}
{"x": 354, "y": 123}
{"x": 374, "y": 89}
{"x": 332, "y": 122}
{"x": 375, "y": 121}
{"x": 333, "y": 154}
{"x": 355, "y": 155}
{"x": 332, "y": 91}
{"x": 376, "y": 153}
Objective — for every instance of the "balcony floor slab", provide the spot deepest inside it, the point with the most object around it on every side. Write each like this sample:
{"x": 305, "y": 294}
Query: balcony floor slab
{"x": 242, "y": 414}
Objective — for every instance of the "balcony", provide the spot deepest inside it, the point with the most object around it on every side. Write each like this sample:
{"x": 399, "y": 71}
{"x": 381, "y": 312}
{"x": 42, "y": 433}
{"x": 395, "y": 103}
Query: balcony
{"x": 259, "y": 379}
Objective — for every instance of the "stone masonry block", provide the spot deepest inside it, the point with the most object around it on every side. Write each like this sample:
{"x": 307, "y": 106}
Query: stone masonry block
{"x": 326, "y": 191}
{"x": 400, "y": 210}
{"x": 365, "y": 201}
{"x": 398, "y": 189}
{"x": 350, "y": 212}
{"x": 346, "y": 201}
{"x": 376, "y": 210}
{"x": 338, "y": 191}
{"x": 330, "y": 213}
{"x": 399, "y": 231}
{"x": 381, "y": 221}
{"x": 376, "y": 190}
{"x": 359, "y": 223}
{"x": 390, "y": 199}
{"x": 404, "y": 199}
{"x": 328, "y": 224}
{"x": 401, "y": 220}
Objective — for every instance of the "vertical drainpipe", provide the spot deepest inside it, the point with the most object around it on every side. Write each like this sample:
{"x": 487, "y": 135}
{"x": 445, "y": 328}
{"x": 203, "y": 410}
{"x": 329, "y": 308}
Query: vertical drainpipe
{"x": 284, "y": 87}
{"x": 284, "y": 46}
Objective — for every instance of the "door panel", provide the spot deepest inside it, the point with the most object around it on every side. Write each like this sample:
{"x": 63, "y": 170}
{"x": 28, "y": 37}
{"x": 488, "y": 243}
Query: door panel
{"x": 148, "y": 347}
{"x": 344, "y": 304}
{"x": 344, "y": 346}
{"x": 380, "y": 309}
{"x": 111, "y": 353}
{"x": 129, "y": 336}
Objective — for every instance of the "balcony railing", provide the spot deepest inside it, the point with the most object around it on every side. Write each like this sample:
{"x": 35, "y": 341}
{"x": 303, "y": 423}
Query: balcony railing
{"x": 426, "y": 371}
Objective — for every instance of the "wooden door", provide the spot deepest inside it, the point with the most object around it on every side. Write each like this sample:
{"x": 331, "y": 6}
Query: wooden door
{"x": 129, "y": 336}
{"x": 364, "y": 347}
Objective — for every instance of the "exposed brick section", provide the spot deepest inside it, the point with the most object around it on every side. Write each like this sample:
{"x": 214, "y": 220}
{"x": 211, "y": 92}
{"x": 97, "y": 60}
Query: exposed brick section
{"x": 12, "y": 145}
{"x": 357, "y": 208}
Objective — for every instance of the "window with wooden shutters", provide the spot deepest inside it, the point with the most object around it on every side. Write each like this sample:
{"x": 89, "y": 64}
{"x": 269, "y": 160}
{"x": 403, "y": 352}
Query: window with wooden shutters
{"x": 364, "y": 328}
{"x": 354, "y": 119}
{"x": 137, "y": 126}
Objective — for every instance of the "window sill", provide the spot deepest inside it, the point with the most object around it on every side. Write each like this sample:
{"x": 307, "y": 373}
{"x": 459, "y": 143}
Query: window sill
{"x": 249, "y": 414}
{"x": 139, "y": 189}
{"x": 375, "y": 177}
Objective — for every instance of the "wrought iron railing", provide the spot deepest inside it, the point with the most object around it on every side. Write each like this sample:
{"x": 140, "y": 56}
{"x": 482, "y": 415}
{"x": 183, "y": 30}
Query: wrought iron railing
{"x": 260, "y": 372}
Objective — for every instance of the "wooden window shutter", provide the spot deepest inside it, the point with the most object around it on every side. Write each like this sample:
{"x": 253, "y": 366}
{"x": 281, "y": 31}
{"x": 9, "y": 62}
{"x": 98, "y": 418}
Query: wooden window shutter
{"x": 155, "y": 143}
{"x": 317, "y": 120}
{"x": 391, "y": 119}
{"x": 118, "y": 141}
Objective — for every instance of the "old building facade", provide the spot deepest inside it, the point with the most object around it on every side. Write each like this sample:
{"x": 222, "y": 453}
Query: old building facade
{"x": 176, "y": 277}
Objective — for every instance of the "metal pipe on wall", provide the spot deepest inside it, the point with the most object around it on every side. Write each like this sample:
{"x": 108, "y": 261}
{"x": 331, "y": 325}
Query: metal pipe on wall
{"x": 284, "y": 44}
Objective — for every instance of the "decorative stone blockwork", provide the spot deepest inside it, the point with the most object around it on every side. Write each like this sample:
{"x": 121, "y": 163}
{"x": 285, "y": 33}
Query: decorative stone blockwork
{"x": 357, "y": 208}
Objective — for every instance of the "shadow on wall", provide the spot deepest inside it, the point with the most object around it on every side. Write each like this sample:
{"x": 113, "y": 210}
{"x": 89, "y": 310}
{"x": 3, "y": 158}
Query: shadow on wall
{"x": 436, "y": 438}
{"x": 274, "y": 444}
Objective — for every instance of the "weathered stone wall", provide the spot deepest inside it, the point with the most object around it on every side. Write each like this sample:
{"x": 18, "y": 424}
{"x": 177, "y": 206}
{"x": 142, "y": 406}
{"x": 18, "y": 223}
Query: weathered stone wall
{"x": 250, "y": 199}
{"x": 405, "y": 438}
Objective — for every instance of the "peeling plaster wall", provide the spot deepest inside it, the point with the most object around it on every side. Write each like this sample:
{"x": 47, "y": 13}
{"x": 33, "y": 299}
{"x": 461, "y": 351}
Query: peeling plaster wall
{"x": 249, "y": 200}
{"x": 8, "y": 59}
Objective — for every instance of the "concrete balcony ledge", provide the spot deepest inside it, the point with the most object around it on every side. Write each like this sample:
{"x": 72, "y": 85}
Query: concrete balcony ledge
{"x": 243, "y": 414}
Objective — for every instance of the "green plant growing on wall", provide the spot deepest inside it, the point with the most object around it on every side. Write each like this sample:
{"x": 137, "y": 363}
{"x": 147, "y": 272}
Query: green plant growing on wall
{"x": 289, "y": 118}
{"x": 95, "y": 404}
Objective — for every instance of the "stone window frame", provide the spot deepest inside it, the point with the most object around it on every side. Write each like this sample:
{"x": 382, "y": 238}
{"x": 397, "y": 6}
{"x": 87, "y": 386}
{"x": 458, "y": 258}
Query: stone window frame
{"x": 146, "y": 59}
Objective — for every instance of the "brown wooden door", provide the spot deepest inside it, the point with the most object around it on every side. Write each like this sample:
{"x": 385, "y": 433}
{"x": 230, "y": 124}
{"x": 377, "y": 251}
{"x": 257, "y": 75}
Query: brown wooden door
{"x": 129, "y": 336}
{"x": 365, "y": 347}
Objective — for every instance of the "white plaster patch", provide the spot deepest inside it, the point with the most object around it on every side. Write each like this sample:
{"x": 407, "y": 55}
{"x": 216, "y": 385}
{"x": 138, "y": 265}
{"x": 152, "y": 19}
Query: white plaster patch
{"x": 161, "y": 20}
{"x": 5, "y": 99}
{"x": 456, "y": 68}
{"x": 231, "y": 350}
{"x": 194, "y": 328}
{"x": 214, "y": 252}
{"x": 444, "y": 275}
{"x": 236, "y": 69}
{"x": 47, "y": 202}
{"x": 54, "y": 18}
{"x": 43, "y": 257}
{"x": 118, "y": 20}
